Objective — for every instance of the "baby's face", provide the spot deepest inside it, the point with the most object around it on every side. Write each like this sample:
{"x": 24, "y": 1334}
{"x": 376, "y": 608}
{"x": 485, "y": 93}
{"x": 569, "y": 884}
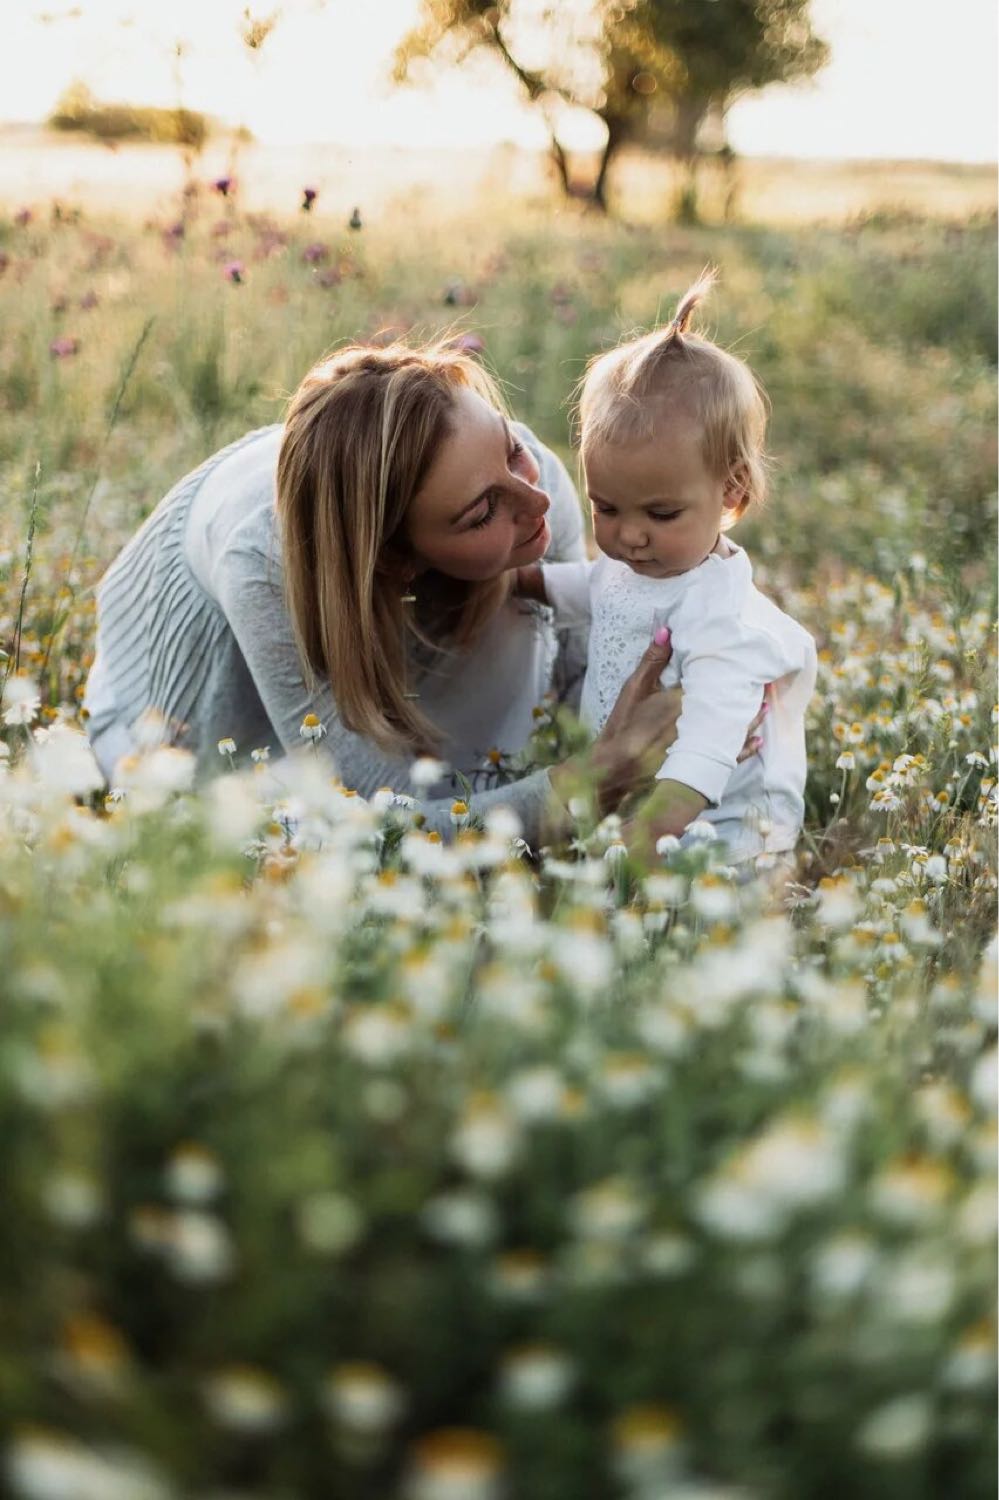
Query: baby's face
{"x": 655, "y": 505}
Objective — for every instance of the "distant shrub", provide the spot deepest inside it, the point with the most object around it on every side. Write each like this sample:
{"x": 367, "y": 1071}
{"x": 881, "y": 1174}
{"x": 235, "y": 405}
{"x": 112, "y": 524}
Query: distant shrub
{"x": 78, "y": 110}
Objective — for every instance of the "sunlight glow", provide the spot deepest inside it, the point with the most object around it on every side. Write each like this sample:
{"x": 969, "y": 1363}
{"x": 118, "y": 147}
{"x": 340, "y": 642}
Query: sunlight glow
{"x": 322, "y": 75}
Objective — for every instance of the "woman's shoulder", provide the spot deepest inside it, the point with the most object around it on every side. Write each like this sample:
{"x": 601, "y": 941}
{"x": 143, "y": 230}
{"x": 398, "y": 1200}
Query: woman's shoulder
{"x": 231, "y": 525}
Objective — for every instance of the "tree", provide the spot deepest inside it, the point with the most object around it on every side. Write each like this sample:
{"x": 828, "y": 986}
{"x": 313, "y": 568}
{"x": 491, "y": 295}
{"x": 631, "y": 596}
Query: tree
{"x": 721, "y": 50}
{"x": 674, "y": 63}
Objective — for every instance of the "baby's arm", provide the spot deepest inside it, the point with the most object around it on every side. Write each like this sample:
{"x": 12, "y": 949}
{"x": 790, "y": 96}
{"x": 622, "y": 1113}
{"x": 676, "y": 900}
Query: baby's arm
{"x": 565, "y": 587}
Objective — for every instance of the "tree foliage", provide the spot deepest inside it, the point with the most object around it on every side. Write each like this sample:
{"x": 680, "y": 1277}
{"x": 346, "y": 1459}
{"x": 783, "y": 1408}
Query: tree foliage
{"x": 643, "y": 67}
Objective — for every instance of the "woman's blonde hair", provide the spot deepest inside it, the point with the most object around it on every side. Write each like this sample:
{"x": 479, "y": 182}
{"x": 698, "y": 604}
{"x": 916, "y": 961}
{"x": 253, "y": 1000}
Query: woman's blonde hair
{"x": 628, "y": 391}
{"x": 360, "y": 436}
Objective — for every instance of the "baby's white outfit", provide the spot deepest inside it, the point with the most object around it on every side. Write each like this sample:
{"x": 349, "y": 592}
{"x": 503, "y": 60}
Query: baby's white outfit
{"x": 729, "y": 641}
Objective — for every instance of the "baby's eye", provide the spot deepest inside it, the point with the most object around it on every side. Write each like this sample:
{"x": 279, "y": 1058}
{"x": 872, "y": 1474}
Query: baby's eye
{"x": 659, "y": 516}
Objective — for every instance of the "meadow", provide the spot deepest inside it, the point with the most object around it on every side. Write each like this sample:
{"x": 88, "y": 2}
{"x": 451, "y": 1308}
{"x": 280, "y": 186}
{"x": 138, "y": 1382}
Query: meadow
{"x": 343, "y": 1161}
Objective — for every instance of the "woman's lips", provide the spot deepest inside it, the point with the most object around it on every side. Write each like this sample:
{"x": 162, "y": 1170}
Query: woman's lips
{"x": 534, "y": 534}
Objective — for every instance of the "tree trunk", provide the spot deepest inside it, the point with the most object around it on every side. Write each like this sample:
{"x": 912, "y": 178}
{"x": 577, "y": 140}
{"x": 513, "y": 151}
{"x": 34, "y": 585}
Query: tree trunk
{"x": 690, "y": 112}
{"x": 615, "y": 139}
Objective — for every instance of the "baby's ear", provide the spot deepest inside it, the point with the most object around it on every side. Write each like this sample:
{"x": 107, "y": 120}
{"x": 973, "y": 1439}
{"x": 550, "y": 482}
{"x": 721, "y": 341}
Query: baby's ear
{"x": 736, "y": 493}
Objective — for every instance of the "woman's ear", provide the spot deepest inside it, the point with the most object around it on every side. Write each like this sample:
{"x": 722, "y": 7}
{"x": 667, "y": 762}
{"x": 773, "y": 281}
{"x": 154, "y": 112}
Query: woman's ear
{"x": 395, "y": 562}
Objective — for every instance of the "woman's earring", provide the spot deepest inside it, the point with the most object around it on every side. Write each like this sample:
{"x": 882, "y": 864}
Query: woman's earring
{"x": 409, "y": 598}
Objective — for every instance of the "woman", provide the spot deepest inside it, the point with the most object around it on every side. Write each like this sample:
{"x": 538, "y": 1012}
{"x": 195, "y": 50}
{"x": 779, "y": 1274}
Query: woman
{"x": 355, "y": 564}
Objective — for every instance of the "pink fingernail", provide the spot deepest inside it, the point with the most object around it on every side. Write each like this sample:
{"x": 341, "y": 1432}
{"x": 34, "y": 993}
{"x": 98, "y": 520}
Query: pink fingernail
{"x": 662, "y": 636}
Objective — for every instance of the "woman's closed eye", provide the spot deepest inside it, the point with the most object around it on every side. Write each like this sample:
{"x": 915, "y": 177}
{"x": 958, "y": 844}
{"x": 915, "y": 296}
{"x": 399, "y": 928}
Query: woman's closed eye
{"x": 492, "y": 500}
{"x": 516, "y": 453}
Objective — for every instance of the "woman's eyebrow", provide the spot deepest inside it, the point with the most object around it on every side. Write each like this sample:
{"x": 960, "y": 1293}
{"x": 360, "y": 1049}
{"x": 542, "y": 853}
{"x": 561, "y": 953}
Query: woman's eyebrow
{"x": 508, "y": 437}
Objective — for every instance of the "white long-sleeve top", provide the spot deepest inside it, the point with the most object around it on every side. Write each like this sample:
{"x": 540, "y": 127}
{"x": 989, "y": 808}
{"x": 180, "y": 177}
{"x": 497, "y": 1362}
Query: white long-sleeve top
{"x": 192, "y": 623}
{"x": 729, "y": 641}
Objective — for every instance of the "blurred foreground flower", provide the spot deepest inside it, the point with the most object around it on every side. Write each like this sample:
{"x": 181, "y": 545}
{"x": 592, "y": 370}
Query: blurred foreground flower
{"x": 455, "y": 1463}
{"x": 64, "y": 346}
{"x": 20, "y": 699}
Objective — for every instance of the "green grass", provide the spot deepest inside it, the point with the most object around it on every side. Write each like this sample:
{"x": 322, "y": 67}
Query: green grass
{"x": 614, "y": 1175}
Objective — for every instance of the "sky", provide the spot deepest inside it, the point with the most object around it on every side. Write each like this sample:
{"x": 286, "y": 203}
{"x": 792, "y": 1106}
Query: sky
{"x": 906, "y": 79}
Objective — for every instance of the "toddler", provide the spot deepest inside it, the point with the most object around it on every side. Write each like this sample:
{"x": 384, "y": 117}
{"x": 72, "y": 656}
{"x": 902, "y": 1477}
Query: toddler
{"x": 672, "y": 430}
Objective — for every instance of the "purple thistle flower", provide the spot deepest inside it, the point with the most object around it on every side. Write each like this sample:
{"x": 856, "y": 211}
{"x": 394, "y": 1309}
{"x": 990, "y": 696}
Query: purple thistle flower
{"x": 23, "y": 217}
{"x": 313, "y": 254}
{"x": 233, "y": 271}
{"x": 223, "y": 185}
{"x": 88, "y": 300}
{"x": 64, "y": 346}
{"x": 309, "y": 196}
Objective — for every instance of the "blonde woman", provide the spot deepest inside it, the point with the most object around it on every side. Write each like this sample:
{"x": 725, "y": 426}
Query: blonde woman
{"x": 355, "y": 564}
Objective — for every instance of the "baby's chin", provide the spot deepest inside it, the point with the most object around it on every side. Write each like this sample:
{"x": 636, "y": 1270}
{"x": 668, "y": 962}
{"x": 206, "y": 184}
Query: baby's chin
{"x": 652, "y": 569}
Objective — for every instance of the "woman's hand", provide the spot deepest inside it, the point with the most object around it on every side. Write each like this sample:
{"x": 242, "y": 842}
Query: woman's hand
{"x": 623, "y": 760}
{"x": 628, "y": 751}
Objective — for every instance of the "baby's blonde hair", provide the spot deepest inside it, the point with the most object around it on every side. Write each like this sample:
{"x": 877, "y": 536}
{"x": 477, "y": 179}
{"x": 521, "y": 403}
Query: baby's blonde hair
{"x": 627, "y": 392}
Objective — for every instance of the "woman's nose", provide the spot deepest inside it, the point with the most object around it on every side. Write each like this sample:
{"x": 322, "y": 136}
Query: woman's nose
{"x": 532, "y": 501}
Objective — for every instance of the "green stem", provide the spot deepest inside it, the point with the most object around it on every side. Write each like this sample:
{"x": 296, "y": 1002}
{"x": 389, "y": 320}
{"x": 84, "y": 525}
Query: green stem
{"x": 14, "y": 661}
{"x": 127, "y": 373}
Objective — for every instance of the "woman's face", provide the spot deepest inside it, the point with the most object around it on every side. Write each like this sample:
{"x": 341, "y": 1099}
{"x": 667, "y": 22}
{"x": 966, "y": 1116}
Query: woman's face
{"x": 480, "y": 510}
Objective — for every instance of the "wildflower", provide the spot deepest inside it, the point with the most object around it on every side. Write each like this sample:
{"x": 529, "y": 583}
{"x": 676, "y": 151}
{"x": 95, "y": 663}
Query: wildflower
{"x": 897, "y": 1429}
{"x": 522, "y": 1276}
{"x": 455, "y": 1463}
{"x": 245, "y": 1399}
{"x": 354, "y": 222}
{"x": 89, "y": 300}
{"x": 261, "y": 755}
{"x": 234, "y": 271}
{"x": 535, "y": 1377}
{"x": 972, "y": 1364}
{"x": 227, "y": 747}
{"x": 841, "y": 1266}
{"x": 363, "y": 1397}
{"x": 42, "y": 1464}
{"x": 312, "y": 728}
{"x": 461, "y": 1217}
{"x": 911, "y": 1190}
{"x": 459, "y": 813}
{"x": 609, "y": 1210}
{"x": 425, "y": 772}
{"x": 198, "y": 1247}
{"x": 65, "y": 345}
{"x": 64, "y": 762}
{"x": 309, "y": 196}
{"x": 486, "y": 1141}
{"x": 648, "y": 1453}
{"x": 846, "y": 761}
{"x": 73, "y": 1199}
{"x": 23, "y": 217}
{"x": 315, "y": 254}
{"x": 223, "y": 186}
{"x": 329, "y": 1223}
{"x": 193, "y": 1174}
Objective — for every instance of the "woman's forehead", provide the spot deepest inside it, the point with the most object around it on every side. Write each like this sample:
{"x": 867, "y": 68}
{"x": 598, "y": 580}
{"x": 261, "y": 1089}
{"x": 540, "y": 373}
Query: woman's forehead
{"x": 465, "y": 462}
